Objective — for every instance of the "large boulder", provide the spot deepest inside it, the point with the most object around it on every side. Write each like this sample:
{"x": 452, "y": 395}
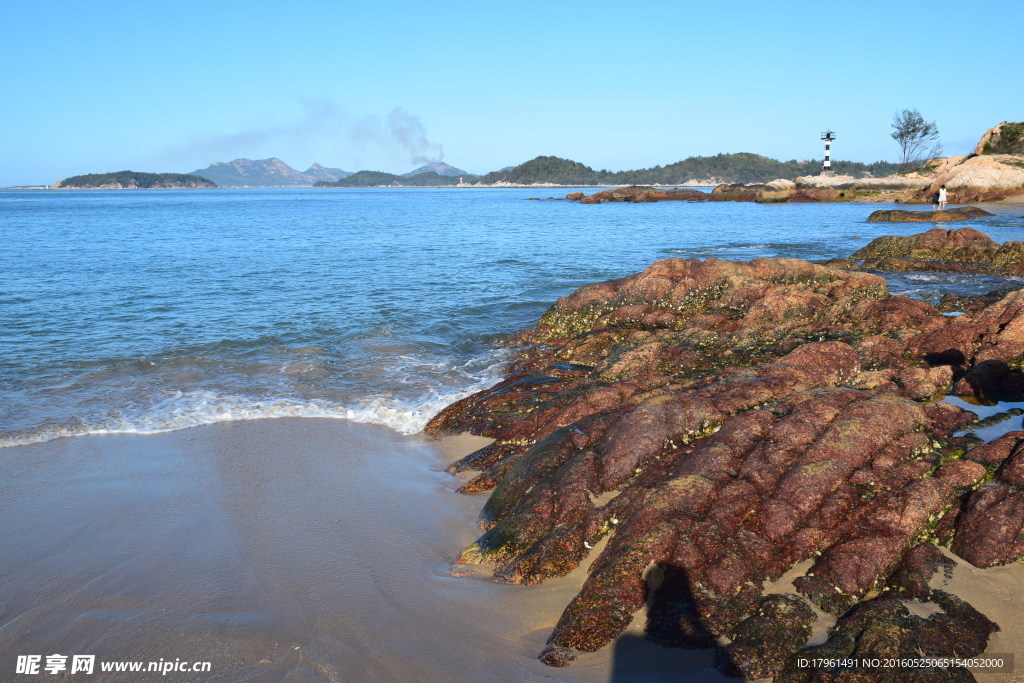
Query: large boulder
{"x": 776, "y": 191}
{"x": 735, "y": 192}
{"x": 943, "y": 216}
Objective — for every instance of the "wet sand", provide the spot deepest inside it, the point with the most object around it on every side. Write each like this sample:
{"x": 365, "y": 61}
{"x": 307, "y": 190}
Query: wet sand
{"x": 288, "y": 549}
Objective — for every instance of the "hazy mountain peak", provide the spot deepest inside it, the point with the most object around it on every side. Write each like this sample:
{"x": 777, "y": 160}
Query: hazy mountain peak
{"x": 270, "y": 172}
{"x": 438, "y": 167}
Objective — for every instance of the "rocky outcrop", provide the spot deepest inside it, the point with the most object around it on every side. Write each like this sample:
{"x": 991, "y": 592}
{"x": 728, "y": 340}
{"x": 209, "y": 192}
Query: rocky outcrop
{"x": 1004, "y": 138}
{"x": 943, "y": 216}
{"x": 638, "y": 194}
{"x": 986, "y": 178}
{"x": 895, "y": 188}
{"x": 967, "y": 179}
{"x": 962, "y": 251}
{"x": 717, "y": 422}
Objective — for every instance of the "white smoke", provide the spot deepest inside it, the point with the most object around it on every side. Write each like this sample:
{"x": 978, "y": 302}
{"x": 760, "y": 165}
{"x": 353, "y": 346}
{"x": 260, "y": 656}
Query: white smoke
{"x": 325, "y": 132}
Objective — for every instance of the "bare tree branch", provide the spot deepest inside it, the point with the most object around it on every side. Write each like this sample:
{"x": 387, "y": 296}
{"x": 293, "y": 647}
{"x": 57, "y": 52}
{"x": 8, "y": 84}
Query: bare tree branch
{"x": 918, "y": 139}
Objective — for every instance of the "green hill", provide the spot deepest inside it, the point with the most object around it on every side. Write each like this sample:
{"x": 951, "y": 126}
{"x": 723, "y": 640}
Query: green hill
{"x": 133, "y": 180}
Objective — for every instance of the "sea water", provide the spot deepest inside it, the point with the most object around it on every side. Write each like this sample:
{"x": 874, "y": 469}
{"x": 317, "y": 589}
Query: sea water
{"x": 147, "y": 311}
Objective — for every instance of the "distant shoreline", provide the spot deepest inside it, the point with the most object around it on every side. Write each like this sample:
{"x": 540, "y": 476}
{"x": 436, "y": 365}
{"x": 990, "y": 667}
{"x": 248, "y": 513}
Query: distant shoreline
{"x": 465, "y": 186}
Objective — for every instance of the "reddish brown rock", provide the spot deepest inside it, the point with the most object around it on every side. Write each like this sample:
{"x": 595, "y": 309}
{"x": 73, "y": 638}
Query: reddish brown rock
{"x": 719, "y": 422}
{"x": 848, "y": 569}
{"x": 763, "y": 643}
{"x": 942, "y": 216}
{"x": 638, "y": 194}
{"x": 990, "y": 527}
{"x": 993, "y": 454}
{"x": 917, "y": 569}
{"x": 1012, "y": 471}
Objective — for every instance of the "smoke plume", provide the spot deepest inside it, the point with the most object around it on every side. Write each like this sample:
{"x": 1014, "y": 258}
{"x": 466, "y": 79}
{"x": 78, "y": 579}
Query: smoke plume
{"x": 326, "y": 132}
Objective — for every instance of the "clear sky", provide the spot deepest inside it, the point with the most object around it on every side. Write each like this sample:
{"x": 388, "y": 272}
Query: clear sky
{"x": 94, "y": 86}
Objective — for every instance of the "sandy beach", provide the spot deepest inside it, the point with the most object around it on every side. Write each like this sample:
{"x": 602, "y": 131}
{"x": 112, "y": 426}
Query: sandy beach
{"x": 288, "y": 549}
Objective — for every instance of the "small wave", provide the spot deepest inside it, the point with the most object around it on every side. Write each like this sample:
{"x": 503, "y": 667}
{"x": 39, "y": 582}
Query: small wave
{"x": 704, "y": 251}
{"x": 186, "y": 409}
{"x": 929, "y": 277}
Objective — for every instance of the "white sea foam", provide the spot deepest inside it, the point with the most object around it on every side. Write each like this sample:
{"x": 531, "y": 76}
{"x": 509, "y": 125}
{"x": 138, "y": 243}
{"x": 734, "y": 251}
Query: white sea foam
{"x": 185, "y": 409}
{"x": 704, "y": 251}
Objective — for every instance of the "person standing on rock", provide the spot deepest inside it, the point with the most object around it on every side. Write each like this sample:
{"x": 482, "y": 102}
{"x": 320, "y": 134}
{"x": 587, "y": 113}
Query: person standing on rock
{"x": 942, "y": 198}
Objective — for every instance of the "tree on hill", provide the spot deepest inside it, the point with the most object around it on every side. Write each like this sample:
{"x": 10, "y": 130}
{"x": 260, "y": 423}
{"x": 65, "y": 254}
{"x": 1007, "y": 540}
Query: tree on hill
{"x": 918, "y": 139}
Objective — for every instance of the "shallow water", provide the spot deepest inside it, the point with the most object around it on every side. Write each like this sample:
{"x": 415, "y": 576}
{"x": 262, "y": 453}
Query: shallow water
{"x": 144, "y": 311}
{"x": 305, "y": 549}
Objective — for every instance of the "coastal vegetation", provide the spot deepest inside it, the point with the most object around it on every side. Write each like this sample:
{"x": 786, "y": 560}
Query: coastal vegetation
{"x": 1008, "y": 139}
{"x": 134, "y": 180}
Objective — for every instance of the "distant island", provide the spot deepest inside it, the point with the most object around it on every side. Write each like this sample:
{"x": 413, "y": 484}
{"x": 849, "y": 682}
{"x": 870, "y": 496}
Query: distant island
{"x": 133, "y": 180}
{"x": 550, "y": 170}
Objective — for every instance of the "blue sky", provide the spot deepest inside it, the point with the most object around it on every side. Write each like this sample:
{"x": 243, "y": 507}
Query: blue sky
{"x": 100, "y": 86}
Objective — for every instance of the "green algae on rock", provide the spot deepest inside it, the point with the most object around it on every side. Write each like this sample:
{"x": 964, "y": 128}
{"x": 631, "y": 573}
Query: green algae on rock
{"x": 960, "y": 251}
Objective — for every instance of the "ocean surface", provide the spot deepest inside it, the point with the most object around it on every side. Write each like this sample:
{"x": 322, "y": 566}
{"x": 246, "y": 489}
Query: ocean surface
{"x": 149, "y": 311}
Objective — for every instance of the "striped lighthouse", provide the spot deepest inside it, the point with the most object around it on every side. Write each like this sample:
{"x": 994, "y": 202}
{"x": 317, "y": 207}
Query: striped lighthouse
{"x": 826, "y": 167}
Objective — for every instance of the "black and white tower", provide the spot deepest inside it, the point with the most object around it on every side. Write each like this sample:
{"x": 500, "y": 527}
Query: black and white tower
{"x": 826, "y": 167}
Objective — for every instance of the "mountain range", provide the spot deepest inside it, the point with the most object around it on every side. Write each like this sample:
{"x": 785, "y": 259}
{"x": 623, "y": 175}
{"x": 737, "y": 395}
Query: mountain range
{"x": 275, "y": 173}
{"x": 267, "y": 173}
